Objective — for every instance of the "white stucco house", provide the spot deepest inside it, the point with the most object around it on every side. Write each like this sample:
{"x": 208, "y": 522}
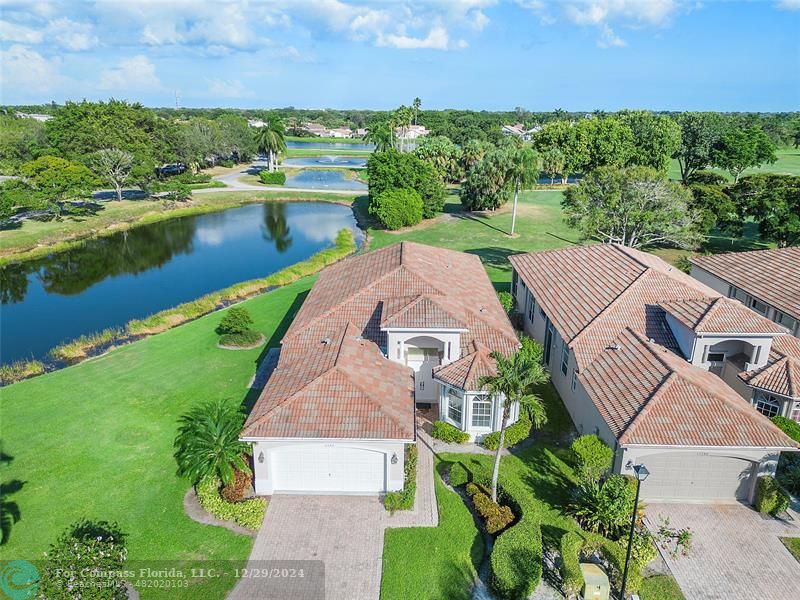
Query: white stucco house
{"x": 379, "y": 334}
{"x": 658, "y": 365}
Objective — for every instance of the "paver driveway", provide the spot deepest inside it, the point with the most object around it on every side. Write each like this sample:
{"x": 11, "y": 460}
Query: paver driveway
{"x": 736, "y": 555}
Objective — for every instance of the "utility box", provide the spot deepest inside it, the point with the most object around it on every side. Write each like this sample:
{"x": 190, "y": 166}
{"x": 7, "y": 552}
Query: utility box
{"x": 596, "y": 585}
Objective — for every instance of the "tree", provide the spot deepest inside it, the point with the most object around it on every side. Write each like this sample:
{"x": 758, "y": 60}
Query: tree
{"x": 397, "y": 208}
{"x": 207, "y": 444}
{"x": 473, "y": 152}
{"x": 393, "y": 169}
{"x": 443, "y": 154}
{"x": 569, "y": 140}
{"x": 634, "y": 206}
{"x": 553, "y": 163}
{"x": 58, "y": 180}
{"x": 655, "y": 139}
{"x": 741, "y": 149}
{"x": 401, "y": 119}
{"x": 382, "y": 135}
{"x": 523, "y": 171}
{"x": 609, "y": 143}
{"x": 416, "y": 105}
{"x": 488, "y": 183}
{"x": 515, "y": 379}
{"x": 114, "y": 167}
{"x": 773, "y": 201}
{"x": 270, "y": 141}
{"x": 236, "y": 138}
{"x": 197, "y": 143}
{"x": 699, "y": 133}
{"x": 22, "y": 140}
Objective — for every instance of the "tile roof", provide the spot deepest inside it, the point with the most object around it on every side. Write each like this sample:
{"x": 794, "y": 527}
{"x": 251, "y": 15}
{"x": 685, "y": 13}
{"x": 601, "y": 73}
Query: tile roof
{"x": 466, "y": 372}
{"x": 781, "y": 375}
{"x": 772, "y": 276}
{"x": 650, "y": 396}
{"x": 332, "y": 379}
{"x": 719, "y": 315}
{"x": 609, "y": 303}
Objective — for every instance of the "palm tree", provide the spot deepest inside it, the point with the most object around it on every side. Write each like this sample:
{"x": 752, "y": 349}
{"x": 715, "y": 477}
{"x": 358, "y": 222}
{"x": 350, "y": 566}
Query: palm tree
{"x": 382, "y": 135}
{"x": 270, "y": 140}
{"x": 207, "y": 443}
{"x": 524, "y": 170}
{"x": 416, "y": 105}
{"x": 514, "y": 382}
{"x": 275, "y": 227}
{"x": 402, "y": 119}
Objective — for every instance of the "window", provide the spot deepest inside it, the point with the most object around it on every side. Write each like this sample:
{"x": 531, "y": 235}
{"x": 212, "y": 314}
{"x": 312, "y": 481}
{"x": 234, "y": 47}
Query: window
{"x": 796, "y": 412}
{"x": 715, "y": 357}
{"x": 455, "y": 406}
{"x": 541, "y": 312}
{"x": 564, "y": 357}
{"x": 738, "y": 295}
{"x": 785, "y": 320}
{"x": 574, "y": 383}
{"x": 514, "y": 280}
{"x": 531, "y": 306}
{"x": 481, "y": 411}
{"x": 768, "y": 405}
{"x": 758, "y": 306}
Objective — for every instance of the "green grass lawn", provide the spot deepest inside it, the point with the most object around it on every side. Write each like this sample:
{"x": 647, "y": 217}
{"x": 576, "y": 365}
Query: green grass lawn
{"x": 660, "y": 587}
{"x": 793, "y": 545}
{"x": 95, "y": 441}
{"x": 788, "y": 163}
{"x": 438, "y": 562}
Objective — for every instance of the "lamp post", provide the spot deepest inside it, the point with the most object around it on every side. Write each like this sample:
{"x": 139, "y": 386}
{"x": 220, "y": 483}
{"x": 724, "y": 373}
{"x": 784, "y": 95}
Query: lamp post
{"x": 641, "y": 473}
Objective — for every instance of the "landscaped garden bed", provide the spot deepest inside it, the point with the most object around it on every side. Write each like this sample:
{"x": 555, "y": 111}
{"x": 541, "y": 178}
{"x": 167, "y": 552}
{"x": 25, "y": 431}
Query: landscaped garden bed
{"x": 404, "y": 499}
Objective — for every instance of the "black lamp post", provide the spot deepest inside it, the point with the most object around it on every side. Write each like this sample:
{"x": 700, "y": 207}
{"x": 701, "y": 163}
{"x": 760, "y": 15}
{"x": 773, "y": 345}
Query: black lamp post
{"x": 641, "y": 473}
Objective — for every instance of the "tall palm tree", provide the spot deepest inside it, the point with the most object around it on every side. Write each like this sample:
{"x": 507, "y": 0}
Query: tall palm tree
{"x": 417, "y": 104}
{"x": 270, "y": 140}
{"x": 516, "y": 377}
{"x": 523, "y": 171}
{"x": 401, "y": 119}
{"x": 207, "y": 443}
{"x": 382, "y": 135}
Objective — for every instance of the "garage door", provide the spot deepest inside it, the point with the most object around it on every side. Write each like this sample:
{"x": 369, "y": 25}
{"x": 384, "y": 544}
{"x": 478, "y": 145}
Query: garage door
{"x": 698, "y": 477}
{"x": 328, "y": 469}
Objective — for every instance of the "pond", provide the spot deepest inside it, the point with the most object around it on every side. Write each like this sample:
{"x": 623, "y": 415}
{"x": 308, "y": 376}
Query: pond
{"x": 352, "y": 162}
{"x": 322, "y": 179}
{"x": 330, "y": 145}
{"x": 108, "y": 281}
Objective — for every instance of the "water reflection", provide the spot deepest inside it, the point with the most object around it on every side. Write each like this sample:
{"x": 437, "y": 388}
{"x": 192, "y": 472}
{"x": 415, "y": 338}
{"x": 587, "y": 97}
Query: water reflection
{"x": 275, "y": 228}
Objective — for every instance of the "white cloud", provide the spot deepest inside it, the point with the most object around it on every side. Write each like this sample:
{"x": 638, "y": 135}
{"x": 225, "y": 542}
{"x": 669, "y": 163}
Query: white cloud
{"x": 609, "y": 39}
{"x": 27, "y": 69}
{"x": 12, "y": 32}
{"x": 232, "y": 88}
{"x": 788, "y": 4}
{"x": 437, "y": 39}
{"x": 71, "y": 35}
{"x": 135, "y": 73}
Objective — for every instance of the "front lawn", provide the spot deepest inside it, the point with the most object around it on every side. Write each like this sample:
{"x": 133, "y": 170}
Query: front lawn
{"x": 660, "y": 587}
{"x": 95, "y": 441}
{"x": 793, "y": 545}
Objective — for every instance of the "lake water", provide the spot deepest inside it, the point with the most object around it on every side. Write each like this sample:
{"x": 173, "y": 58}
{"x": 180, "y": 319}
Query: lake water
{"x": 330, "y": 145}
{"x": 353, "y": 162}
{"x": 108, "y": 281}
{"x": 321, "y": 179}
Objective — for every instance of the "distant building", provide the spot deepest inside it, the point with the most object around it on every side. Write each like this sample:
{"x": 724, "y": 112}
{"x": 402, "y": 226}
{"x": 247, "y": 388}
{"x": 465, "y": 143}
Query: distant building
{"x": 340, "y": 132}
{"x": 258, "y": 123}
{"x": 315, "y": 129}
{"x": 519, "y": 130}
{"x": 361, "y": 132}
{"x": 411, "y": 132}
{"x": 35, "y": 116}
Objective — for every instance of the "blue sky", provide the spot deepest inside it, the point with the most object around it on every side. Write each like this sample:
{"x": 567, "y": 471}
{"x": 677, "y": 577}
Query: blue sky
{"x": 478, "y": 54}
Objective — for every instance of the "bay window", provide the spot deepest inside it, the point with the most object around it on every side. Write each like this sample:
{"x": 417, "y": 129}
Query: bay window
{"x": 455, "y": 406}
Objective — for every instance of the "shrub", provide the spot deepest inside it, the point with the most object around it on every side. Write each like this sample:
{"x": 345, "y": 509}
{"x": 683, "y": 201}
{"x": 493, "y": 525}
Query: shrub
{"x": 89, "y": 556}
{"x": 243, "y": 339}
{"x": 458, "y": 475}
{"x": 397, "y": 207}
{"x": 447, "y": 433}
{"x": 404, "y": 499}
{"x": 392, "y": 169}
{"x": 789, "y": 427}
{"x": 516, "y": 561}
{"x": 606, "y": 508}
{"x": 770, "y": 498}
{"x": 496, "y": 517}
{"x": 236, "y": 320}
{"x": 249, "y": 513}
{"x": 593, "y": 458}
{"x": 235, "y": 491}
{"x": 531, "y": 348}
{"x": 272, "y": 177}
{"x": 179, "y": 193}
{"x": 226, "y": 163}
{"x": 507, "y": 300}
{"x": 515, "y": 433}
{"x": 570, "y": 548}
{"x": 472, "y": 489}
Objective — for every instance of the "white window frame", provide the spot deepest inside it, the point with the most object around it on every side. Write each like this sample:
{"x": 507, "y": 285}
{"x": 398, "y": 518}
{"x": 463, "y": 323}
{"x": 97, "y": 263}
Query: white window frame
{"x": 752, "y": 304}
{"x": 452, "y": 393}
{"x": 481, "y": 400}
{"x": 564, "y": 358}
{"x": 531, "y": 306}
{"x": 784, "y": 320}
{"x": 770, "y": 403}
{"x": 795, "y": 414}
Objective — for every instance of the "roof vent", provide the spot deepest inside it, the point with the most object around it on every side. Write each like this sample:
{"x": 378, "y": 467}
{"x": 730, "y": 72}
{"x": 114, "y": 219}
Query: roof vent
{"x": 614, "y": 347}
{"x": 483, "y": 309}
{"x": 326, "y": 341}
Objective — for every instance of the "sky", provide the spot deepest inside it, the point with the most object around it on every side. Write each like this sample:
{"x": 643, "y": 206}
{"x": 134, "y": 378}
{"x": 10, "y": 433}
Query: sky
{"x": 473, "y": 54}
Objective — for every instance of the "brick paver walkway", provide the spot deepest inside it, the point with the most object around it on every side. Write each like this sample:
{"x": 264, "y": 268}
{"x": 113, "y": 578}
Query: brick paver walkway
{"x": 344, "y": 532}
{"x": 736, "y": 555}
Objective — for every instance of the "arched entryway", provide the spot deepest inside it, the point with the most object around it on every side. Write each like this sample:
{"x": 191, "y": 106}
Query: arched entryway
{"x": 424, "y": 353}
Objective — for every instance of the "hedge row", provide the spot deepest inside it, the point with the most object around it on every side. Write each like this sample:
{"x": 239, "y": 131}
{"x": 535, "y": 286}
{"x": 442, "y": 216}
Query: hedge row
{"x": 571, "y": 545}
{"x": 516, "y": 560}
{"x": 404, "y": 499}
{"x": 272, "y": 178}
{"x": 515, "y": 433}
{"x": 789, "y": 427}
{"x": 770, "y": 498}
{"x": 448, "y": 433}
{"x": 249, "y": 513}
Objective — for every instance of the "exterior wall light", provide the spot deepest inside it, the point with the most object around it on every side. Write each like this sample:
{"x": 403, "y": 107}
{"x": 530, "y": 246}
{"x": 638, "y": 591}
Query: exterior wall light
{"x": 261, "y": 457}
{"x": 394, "y": 458}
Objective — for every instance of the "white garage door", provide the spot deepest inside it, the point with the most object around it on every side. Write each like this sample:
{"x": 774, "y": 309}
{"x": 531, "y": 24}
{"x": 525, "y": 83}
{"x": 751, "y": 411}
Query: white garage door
{"x": 698, "y": 477}
{"x": 328, "y": 468}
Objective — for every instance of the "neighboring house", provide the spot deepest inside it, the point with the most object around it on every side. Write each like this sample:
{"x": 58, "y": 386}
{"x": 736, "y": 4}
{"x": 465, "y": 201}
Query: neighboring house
{"x": 35, "y": 116}
{"x": 361, "y": 132}
{"x": 315, "y": 129}
{"x": 519, "y": 130}
{"x": 411, "y": 132}
{"x": 378, "y": 333}
{"x": 768, "y": 281}
{"x": 645, "y": 357}
{"x": 257, "y": 123}
{"x": 340, "y": 132}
